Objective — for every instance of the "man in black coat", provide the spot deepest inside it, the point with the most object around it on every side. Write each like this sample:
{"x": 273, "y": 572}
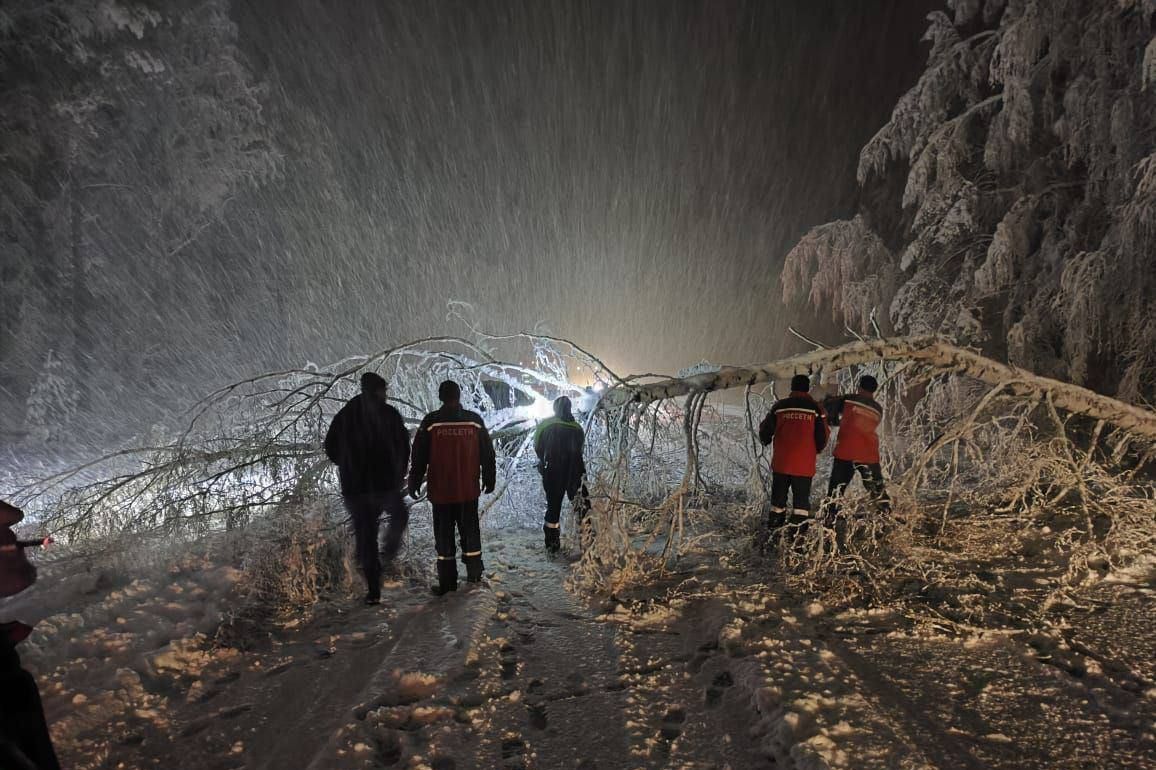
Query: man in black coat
{"x": 24, "y": 739}
{"x": 369, "y": 444}
{"x": 559, "y": 442}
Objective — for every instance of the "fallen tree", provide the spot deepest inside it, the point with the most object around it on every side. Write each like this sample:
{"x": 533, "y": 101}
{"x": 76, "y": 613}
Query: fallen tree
{"x": 978, "y": 439}
{"x": 935, "y": 352}
{"x": 255, "y": 445}
{"x": 672, "y": 465}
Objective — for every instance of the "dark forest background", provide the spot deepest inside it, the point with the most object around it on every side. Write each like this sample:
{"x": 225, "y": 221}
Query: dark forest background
{"x": 194, "y": 191}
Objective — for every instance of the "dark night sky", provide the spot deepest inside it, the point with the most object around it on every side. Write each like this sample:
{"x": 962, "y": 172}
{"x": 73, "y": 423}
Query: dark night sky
{"x": 630, "y": 173}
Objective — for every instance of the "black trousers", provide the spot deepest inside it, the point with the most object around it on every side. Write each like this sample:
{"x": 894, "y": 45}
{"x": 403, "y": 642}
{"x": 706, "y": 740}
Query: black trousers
{"x": 798, "y": 486}
{"x": 22, "y": 725}
{"x": 365, "y": 510}
{"x": 842, "y": 471}
{"x": 462, "y": 517}
{"x": 558, "y": 489}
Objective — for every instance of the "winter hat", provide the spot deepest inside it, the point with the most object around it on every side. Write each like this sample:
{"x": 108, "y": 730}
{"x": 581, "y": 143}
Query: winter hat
{"x": 9, "y": 514}
{"x": 371, "y": 382}
{"x": 801, "y": 383}
{"x": 868, "y": 383}
{"x": 562, "y": 408}
{"x": 449, "y": 392}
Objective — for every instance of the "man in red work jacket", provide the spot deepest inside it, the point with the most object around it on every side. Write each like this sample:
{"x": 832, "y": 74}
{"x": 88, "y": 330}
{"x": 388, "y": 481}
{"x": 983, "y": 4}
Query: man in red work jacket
{"x": 857, "y": 445}
{"x": 798, "y": 429}
{"x": 450, "y": 451}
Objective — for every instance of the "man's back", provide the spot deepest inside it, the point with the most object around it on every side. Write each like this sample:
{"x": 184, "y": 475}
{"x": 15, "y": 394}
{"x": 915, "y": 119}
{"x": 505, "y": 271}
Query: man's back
{"x": 368, "y": 442}
{"x": 798, "y": 429}
{"x": 559, "y": 442}
{"x": 452, "y": 449}
{"x": 859, "y": 419}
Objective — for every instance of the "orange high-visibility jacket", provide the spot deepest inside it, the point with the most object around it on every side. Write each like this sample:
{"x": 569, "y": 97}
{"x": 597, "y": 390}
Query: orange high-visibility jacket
{"x": 798, "y": 428}
{"x": 858, "y": 420}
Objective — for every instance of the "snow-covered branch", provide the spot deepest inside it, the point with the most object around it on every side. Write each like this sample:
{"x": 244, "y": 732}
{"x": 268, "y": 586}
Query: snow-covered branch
{"x": 937, "y": 353}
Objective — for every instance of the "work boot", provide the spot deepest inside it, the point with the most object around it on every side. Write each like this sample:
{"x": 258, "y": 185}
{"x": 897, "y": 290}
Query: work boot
{"x": 447, "y": 576}
{"x": 828, "y": 512}
{"x": 372, "y": 586}
{"x": 776, "y": 519}
{"x": 775, "y": 522}
{"x": 475, "y": 585}
{"x": 474, "y": 568}
{"x": 798, "y": 521}
{"x": 553, "y": 537}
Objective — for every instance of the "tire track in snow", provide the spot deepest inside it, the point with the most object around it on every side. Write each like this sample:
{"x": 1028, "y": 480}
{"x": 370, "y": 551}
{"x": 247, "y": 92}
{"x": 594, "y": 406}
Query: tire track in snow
{"x": 436, "y": 642}
{"x": 942, "y": 748}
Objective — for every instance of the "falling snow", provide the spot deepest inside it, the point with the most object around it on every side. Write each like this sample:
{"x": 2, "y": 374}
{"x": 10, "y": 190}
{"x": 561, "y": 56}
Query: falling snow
{"x": 215, "y": 215}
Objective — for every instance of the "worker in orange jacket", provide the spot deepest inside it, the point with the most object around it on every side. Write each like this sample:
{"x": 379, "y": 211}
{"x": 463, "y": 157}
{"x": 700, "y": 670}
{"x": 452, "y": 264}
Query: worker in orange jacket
{"x": 451, "y": 450}
{"x": 797, "y": 427}
{"x": 857, "y": 446}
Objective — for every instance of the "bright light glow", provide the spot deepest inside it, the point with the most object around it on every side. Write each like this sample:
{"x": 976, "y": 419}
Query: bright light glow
{"x": 599, "y": 386}
{"x": 541, "y": 408}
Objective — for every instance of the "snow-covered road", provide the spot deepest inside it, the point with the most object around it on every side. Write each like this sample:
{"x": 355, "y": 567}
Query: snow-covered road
{"x": 713, "y": 667}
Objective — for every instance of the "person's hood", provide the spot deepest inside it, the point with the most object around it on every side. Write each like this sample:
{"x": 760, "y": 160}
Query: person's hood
{"x": 10, "y": 514}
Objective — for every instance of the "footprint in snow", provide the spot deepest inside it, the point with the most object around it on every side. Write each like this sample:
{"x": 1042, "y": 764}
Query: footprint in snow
{"x": 513, "y": 748}
{"x": 715, "y": 692}
{"x": 671, "y": 726}
{"x": 537, "y": 713}
{"x": 508, "y": 660}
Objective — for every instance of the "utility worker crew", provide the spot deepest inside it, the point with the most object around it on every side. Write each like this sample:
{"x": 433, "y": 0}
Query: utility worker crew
{"x": 558, "y": 442}
{"x": 798, "y": 429}
{"x": 857, "y": 445}
{"x": 453, "y": 448}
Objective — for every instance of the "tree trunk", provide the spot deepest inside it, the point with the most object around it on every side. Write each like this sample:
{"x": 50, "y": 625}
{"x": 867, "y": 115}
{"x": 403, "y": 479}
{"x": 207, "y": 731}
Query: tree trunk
{"x": 934, "y": 351}
{"x": 80, "y": 297}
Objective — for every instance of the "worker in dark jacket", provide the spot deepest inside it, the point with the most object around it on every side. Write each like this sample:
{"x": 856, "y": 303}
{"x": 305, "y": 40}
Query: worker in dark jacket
{"x": 798, "y": 429}
{"x": 368, "y": 442}
{"x": 451, "y": 449}
{"x": 558, "y": 442}
{"x": 857, "y": 444}
{"x": 24, "y": 738}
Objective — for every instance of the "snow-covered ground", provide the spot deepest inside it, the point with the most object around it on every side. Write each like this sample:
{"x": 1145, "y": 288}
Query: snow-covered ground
{"x": 154, "y": 663}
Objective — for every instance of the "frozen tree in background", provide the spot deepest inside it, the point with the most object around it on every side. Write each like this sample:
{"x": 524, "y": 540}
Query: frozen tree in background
{"x": 842, "y": 265}
{"x": 127, "y": 129}
{"x": 52, "y": 402}
{"x": 1016, "y": 183}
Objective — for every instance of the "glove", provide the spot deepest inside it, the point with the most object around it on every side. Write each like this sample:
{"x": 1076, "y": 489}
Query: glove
{"x": 833, "y": 415}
